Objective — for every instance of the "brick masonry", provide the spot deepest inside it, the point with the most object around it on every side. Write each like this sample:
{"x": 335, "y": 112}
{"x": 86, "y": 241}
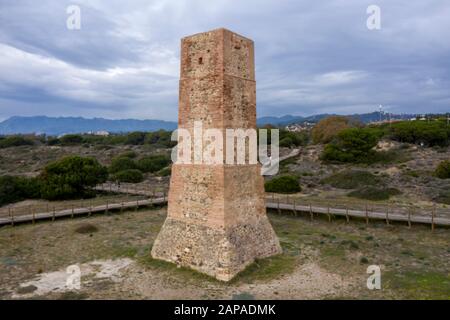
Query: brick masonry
{"x": 217, "y": 222}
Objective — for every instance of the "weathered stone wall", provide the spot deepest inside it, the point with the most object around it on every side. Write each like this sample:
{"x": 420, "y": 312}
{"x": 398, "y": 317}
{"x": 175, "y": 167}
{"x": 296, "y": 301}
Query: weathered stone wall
{"x": 216, "y": 221}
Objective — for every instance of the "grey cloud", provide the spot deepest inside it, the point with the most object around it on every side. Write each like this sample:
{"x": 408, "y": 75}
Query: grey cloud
{"x": 311, "y": 57}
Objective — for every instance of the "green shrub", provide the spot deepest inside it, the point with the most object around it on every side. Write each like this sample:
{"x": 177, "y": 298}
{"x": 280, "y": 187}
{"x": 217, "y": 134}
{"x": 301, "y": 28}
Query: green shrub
{"x": 434, "y": 133}
{"x": 15, "y": 141}
{"x": 374, "y": 193}
{"x": 160, "y": 138}
{"x": 283, "y": 184}
{"x": 71, "y": 139}
{"x": 352, "y": 145}
{"x": 129, "y": 154}
{"x": 130, "y": 175}
{"x": 135, "y": 138}
{"x": 52, "y": 141}
{"x": 153, "y": 163}
{"x": 71, "y": 178}
{"x": 443, "y": 197}
{"x": 443, "y": 170}
{"x": 352, "y": 179}
{"x": 121, "y": 163}
{"x": 13, "y": 189}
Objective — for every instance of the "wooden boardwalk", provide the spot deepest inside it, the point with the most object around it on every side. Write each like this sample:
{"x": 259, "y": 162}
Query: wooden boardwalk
{"x": 14, "y": 219}
{"x": 270, "y": 204}
{"x": 363, "y": 214}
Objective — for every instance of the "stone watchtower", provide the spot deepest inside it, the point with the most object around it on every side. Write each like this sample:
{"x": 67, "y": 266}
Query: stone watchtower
{"x": 217, "y": 222}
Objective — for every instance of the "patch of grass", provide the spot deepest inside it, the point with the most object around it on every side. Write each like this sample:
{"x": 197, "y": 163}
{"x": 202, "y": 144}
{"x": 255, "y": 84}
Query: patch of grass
{"x": 268, "y": 268}
{"x": 390, "y": 156}
{"x": 374, "y": 193}
{"x": 416, "y": 284}
{"x": 72, "y": 295}
{"x": 443, "y": 197}
{"x": 26, "y": 290}
{"x": 352, "y": 179}
{"x": 243, "y": 296}
{"x": 86, "y": 228}
{"x": 127, "y": 252}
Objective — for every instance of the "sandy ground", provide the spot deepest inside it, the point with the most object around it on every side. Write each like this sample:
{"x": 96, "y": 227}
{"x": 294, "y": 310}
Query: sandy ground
{"x": 321, "y": 260}
{"x": 308, "y": 281}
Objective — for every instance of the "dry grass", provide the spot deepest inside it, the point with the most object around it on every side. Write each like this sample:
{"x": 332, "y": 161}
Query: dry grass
{"x": 320, "y": 259}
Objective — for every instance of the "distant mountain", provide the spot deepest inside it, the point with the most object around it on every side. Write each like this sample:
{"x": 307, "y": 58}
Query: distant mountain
{"x": 285, "y": 120}
{"x": 364, "y": 118}
{"x": 62, "y": 125}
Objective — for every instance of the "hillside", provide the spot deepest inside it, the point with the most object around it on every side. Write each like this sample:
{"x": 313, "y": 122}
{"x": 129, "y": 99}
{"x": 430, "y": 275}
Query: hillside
{"x": 61, "y": 125}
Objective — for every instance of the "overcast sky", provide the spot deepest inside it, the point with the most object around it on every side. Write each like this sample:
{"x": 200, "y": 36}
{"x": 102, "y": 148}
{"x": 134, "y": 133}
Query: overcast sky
{"x": 311, "y": 56}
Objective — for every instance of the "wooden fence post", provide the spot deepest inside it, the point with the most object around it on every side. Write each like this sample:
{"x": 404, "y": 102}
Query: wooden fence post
{"x": 311, "y": 212}
{"x": 34, "y": 215}
{"x": 328, "y": 212}
{"x": 106, "y": 211}
{"x": 433, "y": 213}
{"x": 121, "y": 207}
{"x": 387, "y": 214}
{"x": 409, "y": 217}
{"x": 137, "y": 205}
{"x": 54, "y": 213}
{"x": 73, "y": 211}
{"x": 346, "y": 214}
{"x": 295, "y": 210}
{"x": 90, "y": 209}
{"x": 367, "y": 215}
{"x": 11, "y": 215}
{"x": 279, "y": 211}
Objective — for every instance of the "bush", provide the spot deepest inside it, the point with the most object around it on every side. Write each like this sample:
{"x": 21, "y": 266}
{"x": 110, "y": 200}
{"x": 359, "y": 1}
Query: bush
{"x": 283, "y": 184}
{"x": 160, "y": 138}
{"x": 327, "y": 129}
{"x": 290, "y": 139}
{"x": 13, "y": 189}
{"x": 135, "y": 138}
{"x": 443, "y": 197}
{"x": 352, "y": 145}
{"x": 15, "y": 141}
{"x": 121, "y": 163}
{"x": 71, "y": 139}
{"x": 130, "y": 175}
{"x": 153, "y": 163}
{"x": 129, "y": 154}
{"x": 374, "y": 193}
{"x": 352, "y": 179}
{"x": 443, "y": 170}
{"x": 433, "y": 133}
{"x": 71, "y": 178}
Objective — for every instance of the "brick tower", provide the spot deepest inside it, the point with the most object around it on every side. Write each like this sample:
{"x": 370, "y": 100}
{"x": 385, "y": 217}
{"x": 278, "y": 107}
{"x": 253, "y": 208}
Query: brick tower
{"x": 216, "y": 222}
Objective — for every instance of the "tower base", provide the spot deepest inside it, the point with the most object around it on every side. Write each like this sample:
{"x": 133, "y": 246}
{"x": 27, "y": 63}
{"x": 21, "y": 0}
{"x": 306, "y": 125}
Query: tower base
{"x": 220, "y": 253}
